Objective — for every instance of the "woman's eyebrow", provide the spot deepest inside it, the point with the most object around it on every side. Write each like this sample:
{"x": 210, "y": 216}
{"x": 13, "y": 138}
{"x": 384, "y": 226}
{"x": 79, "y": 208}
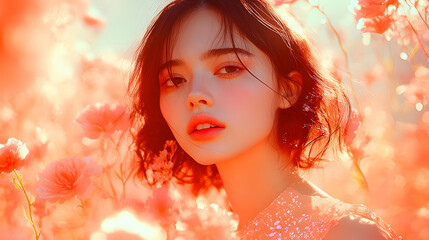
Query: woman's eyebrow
{"x": 222, "y": 51}
{"x": 209, "y": 54}
{"x": 169, "y": 64}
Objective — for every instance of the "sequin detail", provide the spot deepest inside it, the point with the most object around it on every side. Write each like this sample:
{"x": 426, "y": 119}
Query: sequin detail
{"x": 300, "y": 217}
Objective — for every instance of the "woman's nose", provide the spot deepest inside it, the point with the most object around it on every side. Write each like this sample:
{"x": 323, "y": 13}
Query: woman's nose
{"x": 199, "y": 96}
{"x": 195, "y": 101}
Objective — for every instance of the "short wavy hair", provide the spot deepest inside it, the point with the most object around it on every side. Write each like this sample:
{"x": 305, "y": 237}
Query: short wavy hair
{"x": 317, "y": 119}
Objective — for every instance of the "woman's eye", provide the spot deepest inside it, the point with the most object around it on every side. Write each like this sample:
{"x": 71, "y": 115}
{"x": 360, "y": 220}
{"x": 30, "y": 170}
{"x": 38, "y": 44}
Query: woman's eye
{"x": 229, "y": 70}
{"x": 174, "y": 81}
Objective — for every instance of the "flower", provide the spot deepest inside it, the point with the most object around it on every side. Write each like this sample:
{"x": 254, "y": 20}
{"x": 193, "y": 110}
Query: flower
{"x": 161, "y": 204}
{"x": 93, "y": 21}
{"x": 372, "y": 8}
{"x": 206, "y": 217}
{"x": 162, "y": 165}
{"x": 93, "y": 18}
{"x": 13, "y": 155}
{"x": 377, "y": 24}
{"x": 66, "y": 178}
{"x": 374, "y": 15}
{"x": 417, "y": 91}
{"x": 103, "y": 119}
{"x": 39, "y": 207}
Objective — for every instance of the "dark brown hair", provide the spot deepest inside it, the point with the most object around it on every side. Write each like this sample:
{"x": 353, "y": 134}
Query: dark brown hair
{"x": 304, "y": 131}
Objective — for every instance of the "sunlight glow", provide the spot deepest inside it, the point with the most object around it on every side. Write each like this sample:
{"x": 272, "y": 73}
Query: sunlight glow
{"x": 366, "y": 39}
{"x": 401, "y": 89}
{"x": 128, "y": 222}
{"x": 180, "y": 226}
{"x": 314, "y": 2}
{"x": 98, "y": 236}
{"x": 7, "y": 113}
{"x": 62, "y": 64}
{"x": 419, "y": 106}
{"x": 201, "y": 202}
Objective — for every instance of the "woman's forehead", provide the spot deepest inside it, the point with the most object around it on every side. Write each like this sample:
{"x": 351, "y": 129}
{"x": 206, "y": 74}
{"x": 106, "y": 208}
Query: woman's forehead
{"x": 202, "y": 30}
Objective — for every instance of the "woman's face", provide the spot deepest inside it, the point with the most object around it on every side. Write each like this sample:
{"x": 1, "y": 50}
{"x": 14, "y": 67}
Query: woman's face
{"x": 214, "y": 88}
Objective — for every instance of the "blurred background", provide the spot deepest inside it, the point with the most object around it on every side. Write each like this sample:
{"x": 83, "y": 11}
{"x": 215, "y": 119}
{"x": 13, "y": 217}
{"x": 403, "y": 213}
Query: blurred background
{"x": 57, "y": 57}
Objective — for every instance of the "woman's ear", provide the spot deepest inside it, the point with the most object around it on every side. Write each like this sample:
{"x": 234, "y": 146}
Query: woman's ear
{"x": 290, "y": 90}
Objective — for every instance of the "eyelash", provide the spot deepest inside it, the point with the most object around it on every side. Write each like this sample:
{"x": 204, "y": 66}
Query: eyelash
{"x": 164, "y": 84}
{"x": 239, "y": 68}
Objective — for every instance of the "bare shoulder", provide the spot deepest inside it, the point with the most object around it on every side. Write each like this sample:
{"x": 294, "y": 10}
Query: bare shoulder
{"x": 354, "y": 229}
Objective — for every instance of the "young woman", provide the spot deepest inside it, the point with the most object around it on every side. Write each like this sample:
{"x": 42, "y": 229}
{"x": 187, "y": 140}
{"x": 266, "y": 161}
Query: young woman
{"x": 248, "y": 105}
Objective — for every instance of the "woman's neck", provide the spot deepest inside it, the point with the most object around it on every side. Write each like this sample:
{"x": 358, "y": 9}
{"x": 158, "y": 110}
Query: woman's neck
{"x": 254, "y": 179}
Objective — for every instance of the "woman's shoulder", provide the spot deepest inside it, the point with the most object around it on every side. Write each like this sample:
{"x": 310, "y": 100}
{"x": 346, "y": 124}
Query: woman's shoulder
{"x": 355, "y": 228}
{"x": 309, "y": 213}
{"x": 349, "y": 221}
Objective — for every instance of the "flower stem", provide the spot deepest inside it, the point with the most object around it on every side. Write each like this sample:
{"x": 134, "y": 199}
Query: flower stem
{"x": 340, "y": 43}
{"x": 111, "y": 185}
{"x": 418, "y": 12}
{"x": 21, "y": 185}
{"x": 106, "y": 169}
{"x": 415, "y": 31}
{"x": 121, "y": 176}
{"x": 123, "y": 191}
{"x": 82, "y": 204}
{"x": 418, "y": 39}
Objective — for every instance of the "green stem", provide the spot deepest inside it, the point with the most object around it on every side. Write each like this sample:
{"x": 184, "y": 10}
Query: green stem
{"x": 29, "y": 204}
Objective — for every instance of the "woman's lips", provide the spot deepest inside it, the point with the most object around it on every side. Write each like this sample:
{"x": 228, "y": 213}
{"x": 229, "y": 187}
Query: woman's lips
{"x": 204, "y": 134}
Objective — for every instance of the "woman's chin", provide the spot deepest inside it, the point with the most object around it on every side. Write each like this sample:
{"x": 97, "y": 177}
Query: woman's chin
{"x": 207, "y": 160}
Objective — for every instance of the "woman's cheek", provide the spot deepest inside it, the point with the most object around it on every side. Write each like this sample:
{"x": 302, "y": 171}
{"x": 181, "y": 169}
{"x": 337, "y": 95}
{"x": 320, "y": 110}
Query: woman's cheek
{"x": 245, "y": 94}
{"x": 167, "y": 110}
{"x": 236, "y": 96}
{"x": 173, "y": 109}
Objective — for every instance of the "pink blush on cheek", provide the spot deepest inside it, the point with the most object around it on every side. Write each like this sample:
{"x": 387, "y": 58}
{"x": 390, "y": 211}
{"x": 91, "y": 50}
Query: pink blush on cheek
{"x": 236, "y": 95}
{"x": 245, "y": 92}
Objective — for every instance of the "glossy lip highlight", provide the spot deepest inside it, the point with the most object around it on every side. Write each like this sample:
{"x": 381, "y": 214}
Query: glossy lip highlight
{"x": 203, "y": 118}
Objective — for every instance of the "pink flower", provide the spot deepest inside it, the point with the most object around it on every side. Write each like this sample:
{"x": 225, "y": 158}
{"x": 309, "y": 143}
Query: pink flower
{"x": 377, "y": 24}
{"x": 417, "y": 91}
{"x": 21, "y": 20}
{"x": 63, "y": 179}
{"x": 13, "y": 155}
{"x": 103, "y": 119}
{"x": 161, "y": 205}
{"x": 39, "y": 207}
{"x": 93, "y": 21}
{"x": 207, "y": 217}
{"x": 373, "y": 8}
{"x": 375, "y": 15}
{"x": 162, "y": 164}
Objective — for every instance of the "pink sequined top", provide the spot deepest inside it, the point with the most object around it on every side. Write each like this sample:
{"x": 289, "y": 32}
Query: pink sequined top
{"x": 296, "y": 216}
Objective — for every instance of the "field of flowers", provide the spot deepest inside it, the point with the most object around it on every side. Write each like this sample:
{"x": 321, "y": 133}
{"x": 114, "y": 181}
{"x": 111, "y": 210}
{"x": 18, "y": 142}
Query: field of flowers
{"x": 67, "y": 166}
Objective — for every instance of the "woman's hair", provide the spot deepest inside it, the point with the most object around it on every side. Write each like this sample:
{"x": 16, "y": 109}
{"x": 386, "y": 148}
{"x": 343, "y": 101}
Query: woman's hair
{"x": 304, "y": 131}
